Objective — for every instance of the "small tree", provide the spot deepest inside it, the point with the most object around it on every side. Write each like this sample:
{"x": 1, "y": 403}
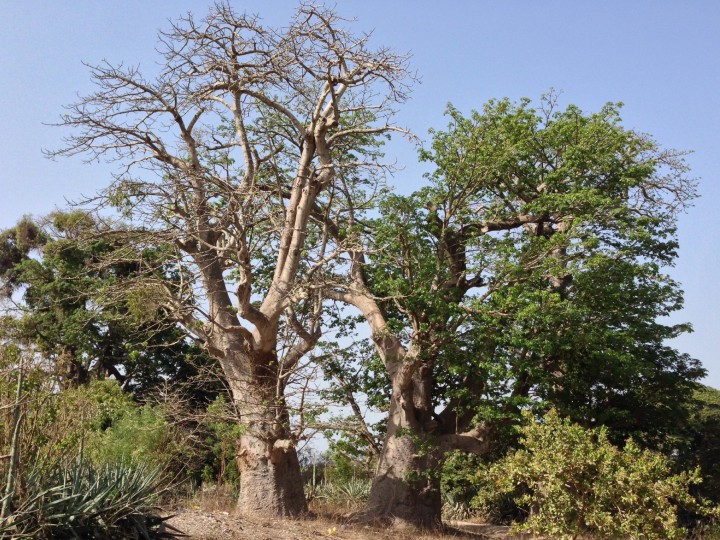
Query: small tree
{"x": 580, "y": 484}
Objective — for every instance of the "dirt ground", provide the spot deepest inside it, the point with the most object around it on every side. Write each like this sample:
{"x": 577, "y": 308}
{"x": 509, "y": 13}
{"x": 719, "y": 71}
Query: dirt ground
{"x": 221, "y": 525}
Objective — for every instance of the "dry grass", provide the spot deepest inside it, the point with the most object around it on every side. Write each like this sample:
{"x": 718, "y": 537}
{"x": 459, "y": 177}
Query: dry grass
{"x": 212, "y": 499}
{"x": 339, "y": 510}
{"x": 210, "y": 515}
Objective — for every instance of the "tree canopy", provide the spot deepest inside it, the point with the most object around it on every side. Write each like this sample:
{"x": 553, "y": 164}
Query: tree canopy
{"x": 63, "y": 311}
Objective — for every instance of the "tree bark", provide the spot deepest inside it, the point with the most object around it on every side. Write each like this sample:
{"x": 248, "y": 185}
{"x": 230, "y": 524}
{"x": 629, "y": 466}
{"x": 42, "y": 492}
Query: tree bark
{"x": 270, "y": 477}
{"x": 406, "y": 486}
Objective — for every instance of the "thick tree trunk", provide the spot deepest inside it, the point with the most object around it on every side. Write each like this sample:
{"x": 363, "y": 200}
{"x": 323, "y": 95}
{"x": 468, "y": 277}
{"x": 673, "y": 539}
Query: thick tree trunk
{"x": 270, "y": 480}
{"x": 406, "y": 487}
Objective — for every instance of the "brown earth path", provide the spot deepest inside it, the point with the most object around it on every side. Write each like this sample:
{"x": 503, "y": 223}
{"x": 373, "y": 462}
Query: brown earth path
{"x": 218, "y": 525}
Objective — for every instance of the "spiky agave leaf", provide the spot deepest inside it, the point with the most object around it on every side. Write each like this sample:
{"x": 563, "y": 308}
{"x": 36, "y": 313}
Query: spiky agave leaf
{"x": 115, "y": 500}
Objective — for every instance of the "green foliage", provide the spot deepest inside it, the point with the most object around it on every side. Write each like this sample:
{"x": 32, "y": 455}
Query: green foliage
{"x": 459, "y": 484}
{"x": 347, "y": 462}
{"x": 704, "y": 441}
{"x": 532, "y": 265}
{"x": 468, "y": 488}
{"x": 348, "y": 493}
{"x": 223, "y": 434}
{"x": 15, "y": 243}
{"x": 459, "y": 471}
{"x": 105, "y": 425}
{"x": 74, "y": 314}
{"x": 142, "y": 436}
{"x": 88, "y": 501}
{"x": 110, "y": 426}
{"x": 580, "y": 484}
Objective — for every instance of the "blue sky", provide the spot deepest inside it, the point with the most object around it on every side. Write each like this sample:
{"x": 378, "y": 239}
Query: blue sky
{"x": 661, "y": 58}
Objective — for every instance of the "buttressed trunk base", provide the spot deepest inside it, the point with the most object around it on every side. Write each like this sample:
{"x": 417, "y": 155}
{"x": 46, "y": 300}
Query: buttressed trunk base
{"x": 406, "y": 488}
{"x": 270, "y": 480}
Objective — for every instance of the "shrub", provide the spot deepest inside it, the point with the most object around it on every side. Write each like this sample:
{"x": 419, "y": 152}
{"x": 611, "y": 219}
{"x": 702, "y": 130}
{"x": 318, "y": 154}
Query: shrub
{"x": 222, "y": 434}
{"x": 348, "y": 457}
{"x": 140, "y": 435}
{"x": 704, "y": 447}
{"x": 579, "y": 484}
{"x": 108, "y": 426}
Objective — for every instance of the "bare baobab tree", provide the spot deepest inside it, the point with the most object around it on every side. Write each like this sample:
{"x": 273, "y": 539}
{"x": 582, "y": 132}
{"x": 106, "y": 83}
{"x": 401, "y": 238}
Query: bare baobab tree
{"x": 227, "y": 156}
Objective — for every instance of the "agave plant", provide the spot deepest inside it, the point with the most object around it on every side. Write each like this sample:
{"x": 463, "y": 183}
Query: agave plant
{"x": 111, "y": 501}
{"x": 355, "y": 491}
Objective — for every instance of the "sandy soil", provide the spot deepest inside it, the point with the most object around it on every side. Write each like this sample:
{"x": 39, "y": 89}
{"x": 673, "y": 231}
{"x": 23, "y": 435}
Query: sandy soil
{"x": 219, "y": 525}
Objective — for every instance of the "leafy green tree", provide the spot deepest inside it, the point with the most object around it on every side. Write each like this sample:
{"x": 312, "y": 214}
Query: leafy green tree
{"x": 595, "y": 350}
{"x": 67, "y": 316}
{"x": 528, "y": 272}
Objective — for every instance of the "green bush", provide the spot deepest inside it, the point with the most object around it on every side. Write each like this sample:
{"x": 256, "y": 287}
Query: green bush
{"x": 105, "y": 425}
{"x": 141, "y": 435}
{"x": 704, "y": 447}
{"x": 108, "y": 426}
{"x": 348, "y": 457}
{"x": 468, "y": 489}
{"x": 493, "y": 505}
{"x": 579, "y": 484}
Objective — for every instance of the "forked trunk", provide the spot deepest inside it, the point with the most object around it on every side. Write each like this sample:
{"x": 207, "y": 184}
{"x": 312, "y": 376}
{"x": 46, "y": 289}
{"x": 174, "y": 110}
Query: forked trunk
{"x": 270, "y": 480}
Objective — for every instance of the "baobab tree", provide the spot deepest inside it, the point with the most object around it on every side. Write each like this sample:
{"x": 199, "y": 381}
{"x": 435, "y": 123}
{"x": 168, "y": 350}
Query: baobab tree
{"x": 529, "y": 269}
{"x": 226, "y": 156}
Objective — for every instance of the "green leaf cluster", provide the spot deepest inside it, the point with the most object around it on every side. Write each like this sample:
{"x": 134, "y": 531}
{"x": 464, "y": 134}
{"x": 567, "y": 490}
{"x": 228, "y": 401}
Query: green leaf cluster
{"x": 221, "y": 439}
{"x": 106, "y": 425}
{"x": 703, "y": 448}
{"x": 72, "y": 311}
